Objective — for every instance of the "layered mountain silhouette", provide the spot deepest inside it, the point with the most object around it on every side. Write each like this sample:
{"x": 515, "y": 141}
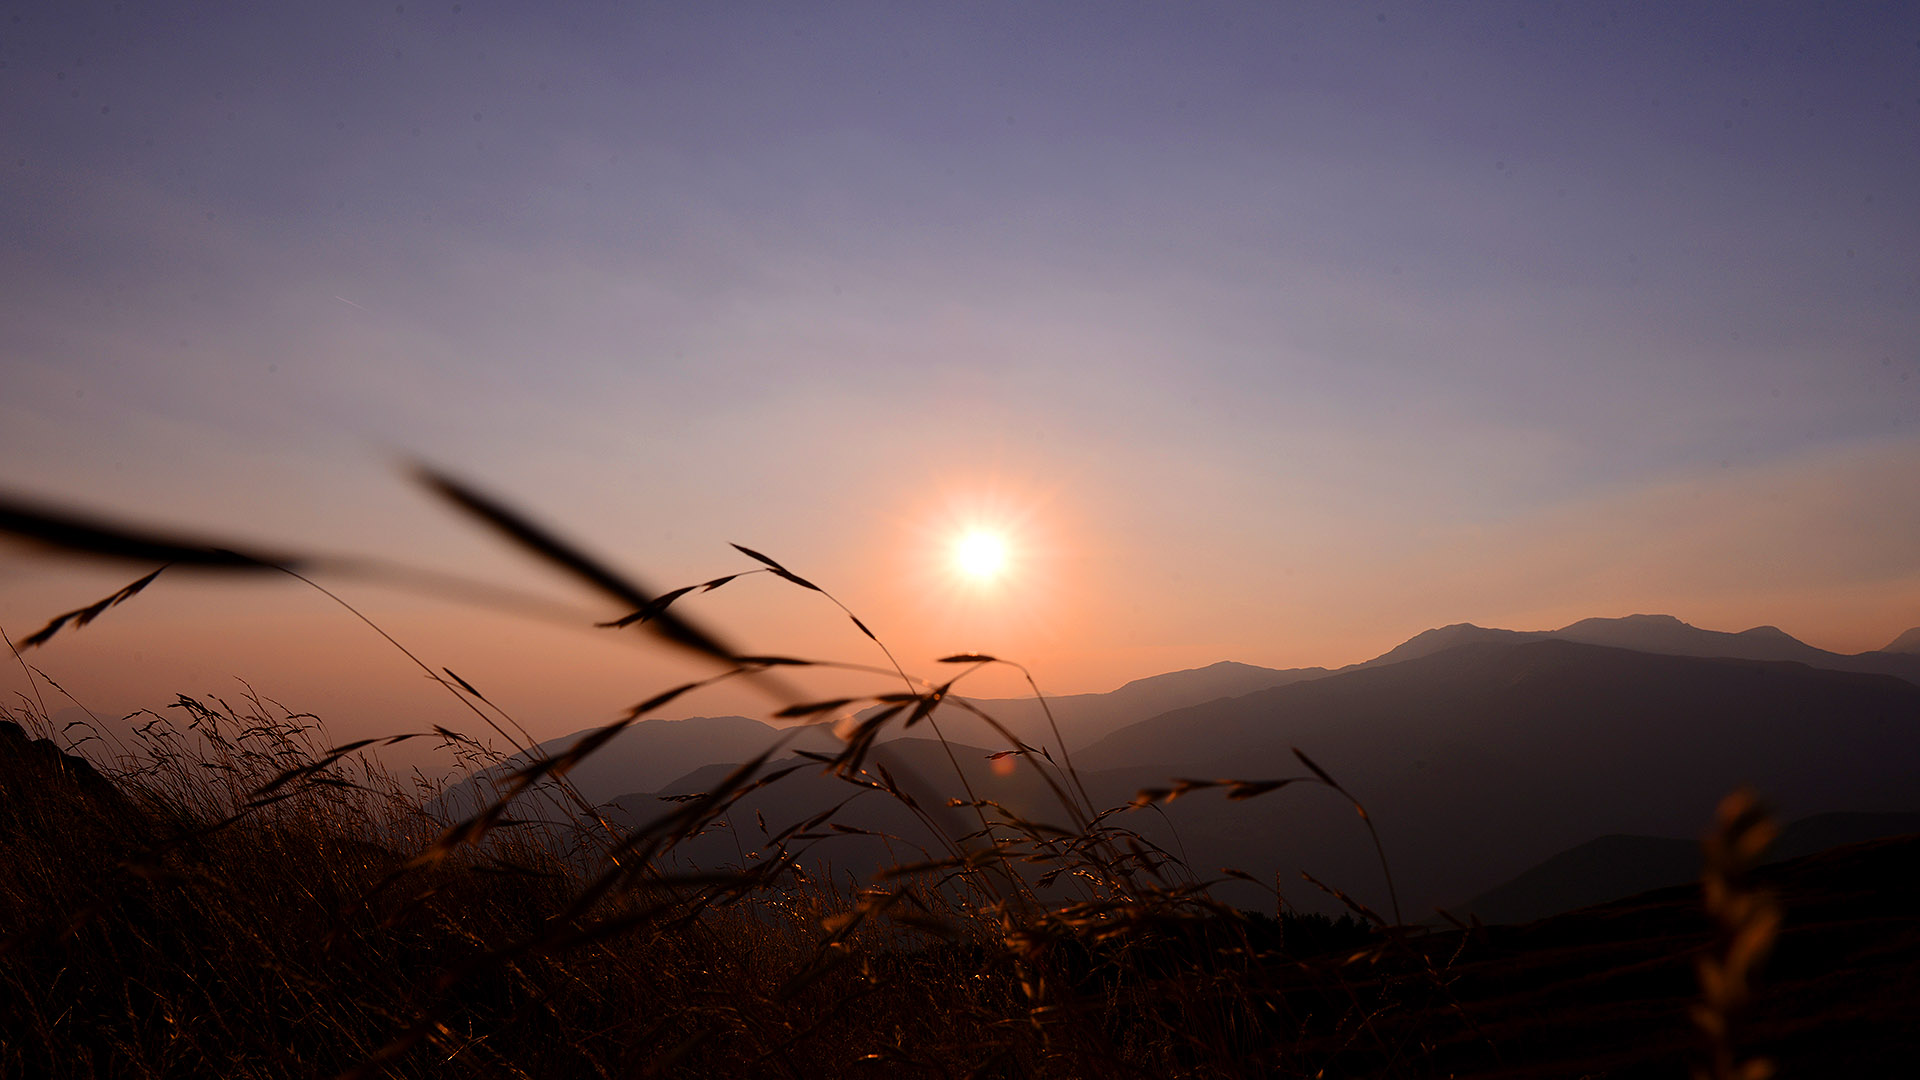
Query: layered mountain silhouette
{"x": 1482, "y": 760}
{"x": 649, "y": 755}
{"x": 1083, "y": 718}
{"x": 1480, "y": 754}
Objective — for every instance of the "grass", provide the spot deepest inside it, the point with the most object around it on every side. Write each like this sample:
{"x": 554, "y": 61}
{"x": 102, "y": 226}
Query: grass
{"x": 231, "y": 894}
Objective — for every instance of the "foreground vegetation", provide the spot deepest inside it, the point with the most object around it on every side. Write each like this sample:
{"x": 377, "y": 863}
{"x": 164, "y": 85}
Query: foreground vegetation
{"x": 229, "y": 894}
{"x": 246, "y": 902}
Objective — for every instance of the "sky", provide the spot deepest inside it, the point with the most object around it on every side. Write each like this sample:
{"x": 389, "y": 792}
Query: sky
{"x": 1266, "y": 332}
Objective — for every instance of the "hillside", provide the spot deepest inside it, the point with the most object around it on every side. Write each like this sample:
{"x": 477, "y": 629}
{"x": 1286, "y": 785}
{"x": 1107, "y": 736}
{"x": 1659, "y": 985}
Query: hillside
{"x": 1476, "y": 763}
{"x": 1480, "y": 761}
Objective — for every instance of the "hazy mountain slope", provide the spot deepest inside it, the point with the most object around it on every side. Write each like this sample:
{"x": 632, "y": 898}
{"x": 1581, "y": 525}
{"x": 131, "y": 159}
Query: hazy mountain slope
{"x": 1440, "y": 639}
{"x": 1908, "y": 642}
{"x": 1485, "y": 759}
{"x": 923, "y": 768}
{"x": 1151, "y": 696}
{"x": 648, "y": 755}
{"x": 1085, "y": 718}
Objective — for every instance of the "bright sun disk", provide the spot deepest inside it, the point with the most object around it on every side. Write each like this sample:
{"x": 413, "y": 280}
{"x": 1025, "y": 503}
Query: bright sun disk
{"x": 980, "y": 555}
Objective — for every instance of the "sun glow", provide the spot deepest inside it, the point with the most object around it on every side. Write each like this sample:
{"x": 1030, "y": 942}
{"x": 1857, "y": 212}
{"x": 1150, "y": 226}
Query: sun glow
{"x": 980, "y": 555}
{"x": 989, "y": 564}
{"x": 988, "y": 568}
{"x": 985, "y": 549}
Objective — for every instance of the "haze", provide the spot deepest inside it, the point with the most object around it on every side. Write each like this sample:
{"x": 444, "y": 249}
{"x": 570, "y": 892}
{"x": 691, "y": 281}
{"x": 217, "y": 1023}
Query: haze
{"x": 1273, "y": 333}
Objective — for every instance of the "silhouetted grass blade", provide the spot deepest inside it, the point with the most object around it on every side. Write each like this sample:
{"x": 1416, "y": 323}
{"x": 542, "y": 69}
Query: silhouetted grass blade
{"x": 545, "y": 544}
{"x": 778, "y": 569}
{"x": 1249, "y": 789}
{"x": 465, "y": 685}
{"x": 82, "y": 616}
{"x": 649, "y": 612}
{"x": 661, "y": 602}
{"x": 929, "y": 702}
{"x": 812, "y": 708}
{"x": 95, "y": 536}
{"x": 1316, "y": 770}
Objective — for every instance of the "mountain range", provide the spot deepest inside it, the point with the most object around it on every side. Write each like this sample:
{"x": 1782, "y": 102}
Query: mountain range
{"x": 1480, "y": 754}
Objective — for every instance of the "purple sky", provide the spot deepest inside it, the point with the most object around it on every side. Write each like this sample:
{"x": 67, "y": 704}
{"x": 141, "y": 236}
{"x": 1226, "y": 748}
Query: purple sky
{"x": 1284, "y": 331}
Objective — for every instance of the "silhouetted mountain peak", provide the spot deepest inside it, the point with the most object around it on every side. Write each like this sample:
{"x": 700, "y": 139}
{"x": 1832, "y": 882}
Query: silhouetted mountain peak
{"x": 1083, "y": 718}
{"x": 1223, "y": 667}
{"x": 1224, "y": 679}
{"x": 1439, "y": 639}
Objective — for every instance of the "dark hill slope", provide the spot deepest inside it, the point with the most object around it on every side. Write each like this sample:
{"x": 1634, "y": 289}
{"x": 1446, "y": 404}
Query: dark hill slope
{"x": 1611, "y": 867}
{"x": 1605, "y": 991}
{"x": 1482, "y": 760}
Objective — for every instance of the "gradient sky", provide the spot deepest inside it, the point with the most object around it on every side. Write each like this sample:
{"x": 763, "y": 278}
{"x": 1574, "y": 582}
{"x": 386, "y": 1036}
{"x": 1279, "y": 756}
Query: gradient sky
{"x": 1274, "y": 332}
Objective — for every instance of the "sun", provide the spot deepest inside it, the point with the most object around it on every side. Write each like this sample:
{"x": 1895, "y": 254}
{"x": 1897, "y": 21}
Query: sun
{"x": 980, "y": 555}
{"x": 983, "y": 551}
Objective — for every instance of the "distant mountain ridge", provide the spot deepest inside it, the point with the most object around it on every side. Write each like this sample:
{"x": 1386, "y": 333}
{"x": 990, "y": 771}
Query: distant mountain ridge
{"x": 1481, "y": 751}
{"x": 651, "y": 753}
{"x": 1668, "y": 636}
{"x": 1476, "y": 763}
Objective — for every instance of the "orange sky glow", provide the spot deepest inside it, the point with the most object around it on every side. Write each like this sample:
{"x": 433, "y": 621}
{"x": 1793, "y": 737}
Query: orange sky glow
{"x": 1267, "y": 333}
